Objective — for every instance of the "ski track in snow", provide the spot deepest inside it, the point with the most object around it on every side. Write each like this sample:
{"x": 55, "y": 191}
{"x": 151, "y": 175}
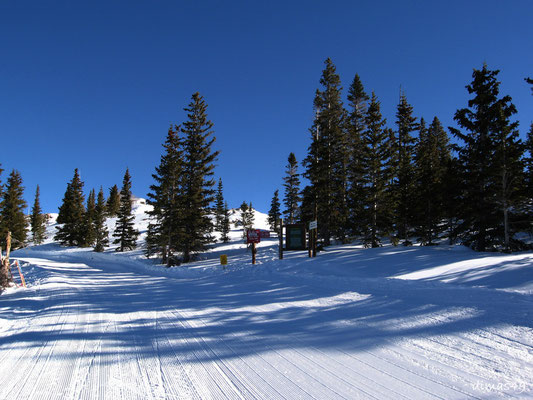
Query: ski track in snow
{"x": 94, "y": 328}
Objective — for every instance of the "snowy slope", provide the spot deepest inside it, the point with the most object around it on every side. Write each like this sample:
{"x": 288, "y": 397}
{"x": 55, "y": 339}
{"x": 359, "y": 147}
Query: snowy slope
{"x": 413, "y": 323}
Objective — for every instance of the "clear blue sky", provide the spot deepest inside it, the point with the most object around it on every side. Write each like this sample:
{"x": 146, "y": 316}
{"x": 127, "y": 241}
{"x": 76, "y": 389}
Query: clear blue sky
{"x": 95, "y": 85}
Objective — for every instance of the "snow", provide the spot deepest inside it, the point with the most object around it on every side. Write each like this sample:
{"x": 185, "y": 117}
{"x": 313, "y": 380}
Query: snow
{"x": 395, "y": 322}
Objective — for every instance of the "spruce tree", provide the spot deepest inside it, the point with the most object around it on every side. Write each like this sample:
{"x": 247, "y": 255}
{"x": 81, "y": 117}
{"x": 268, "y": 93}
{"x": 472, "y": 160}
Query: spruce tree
{"x": 326, "y": 161}
{"x": 225, "y": 224}
{"x": 100, "y": 227}
{"x": 404, "y": 182}
{"x": 90, "y": 215}
{"x": 355, "y": 126}
{"x": 125, "y": 232}
{"x": 37, "y": 220}
{"x": 274, "y": 213}
{"x": 489, "y": 161}
{"x": 432, "y": 159}
{"x": 219, "y": 207}
{"x": 376, "y": 174}
{"x": 165, "y": 231}
{"x": 198, "y": 192}
{"x": 245, "y": 221}
{"x": 292, "y": 190}
{"x": 113, "y": 201}
{"x": 71, "y": 214}
{"x": 12, "y": 212}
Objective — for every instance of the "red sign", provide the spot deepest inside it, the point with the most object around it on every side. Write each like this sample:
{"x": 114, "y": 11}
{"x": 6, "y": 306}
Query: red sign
{"x": 253, "y": 236}
{"x": 263, "y": 233}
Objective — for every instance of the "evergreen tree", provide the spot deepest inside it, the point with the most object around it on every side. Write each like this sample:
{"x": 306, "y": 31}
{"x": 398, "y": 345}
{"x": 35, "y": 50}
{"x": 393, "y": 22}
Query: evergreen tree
{"x": 38, "y": 221}
{"x": 113, "y": 202}
{"x": 89, "y": 220}
{"x": 12, "y": 212}
{"x": 529, "y": 163}
{"x": 250, "y": 215}
{"x": 125, "y": 232}
{"x": 274, "y": 213}
{"x": 432, "y": 159}
{"x": 326, "y": 161}
{"x": 404, "y": 182}
{"x": 489, "y": 161}
{"x": 530, "y": 81}
{"x": 376, "y": 174}
{"x": 100, "y": 228}
{"x": 246, "y": 221}
{"x": 165, "y": 232}
{"x": 355, "y": 126}
{"x": 198, "y": 192}
{"x": 71, "y": 214}
{"x": 219, "y": 207}
{"x": 292, "y": 190}
{"x": 225, "y": 224}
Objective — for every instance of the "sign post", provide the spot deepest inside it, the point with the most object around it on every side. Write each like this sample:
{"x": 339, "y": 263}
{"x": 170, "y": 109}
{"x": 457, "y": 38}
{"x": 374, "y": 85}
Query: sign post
{"x": 280, "y": 235}
{"x": 253, "y": 236}
{"x": 313, "y": 225}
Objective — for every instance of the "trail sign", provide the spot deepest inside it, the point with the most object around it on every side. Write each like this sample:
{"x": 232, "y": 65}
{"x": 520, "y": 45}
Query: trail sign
{"x": 295, "y": 238}
{"x": 313, "y": 225}
{"x": 253, "y": 236}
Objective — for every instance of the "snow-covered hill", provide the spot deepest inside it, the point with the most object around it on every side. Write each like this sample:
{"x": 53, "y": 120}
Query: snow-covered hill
{"x": 395, "y": 322}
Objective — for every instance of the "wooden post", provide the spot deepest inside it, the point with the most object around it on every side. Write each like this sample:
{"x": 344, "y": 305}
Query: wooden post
{"x": 254, "y": 250}
{"x": 315, "y": 234}
{"x": 280, "y": 234}
{"x": 310, "y": 244}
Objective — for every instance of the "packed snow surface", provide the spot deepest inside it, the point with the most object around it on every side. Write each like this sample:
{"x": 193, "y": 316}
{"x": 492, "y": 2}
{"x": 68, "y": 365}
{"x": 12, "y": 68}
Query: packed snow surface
{"x": 388, "y": 323}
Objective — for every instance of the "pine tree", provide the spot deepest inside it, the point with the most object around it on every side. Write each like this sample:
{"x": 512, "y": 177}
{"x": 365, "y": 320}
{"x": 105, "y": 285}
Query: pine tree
{"x": 274, "y": 213}
{"x": 125, "y": 232}
{"x": 326, "y": 161}
{"x": 376, "y": 174}
{"x": 100, "y": 228}
{"x": 250, "y": 215}
{"x": 404, "y": 183}
{"x": 198, "y": 192}
{"x": 90, "y": 215}
{"x": 225, "y": 224}
{"x": 12, "y": 212}
{"x": 292, "y": 190}
{"x": 165, "y": 232}
{"x": 219, "y": 207}
{"x": 38, "y": 221}
{"x": 246, "y": 220}
{"x": 432, "y": 159}
{"x": 71, "y": 214}
{"x": 113, "y": 202}
{"x": 489, "y": 163}
{"x": 355, "y": 126}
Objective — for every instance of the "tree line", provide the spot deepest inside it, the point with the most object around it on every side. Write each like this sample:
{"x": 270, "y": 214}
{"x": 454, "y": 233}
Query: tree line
{"x": 370, "y": 182}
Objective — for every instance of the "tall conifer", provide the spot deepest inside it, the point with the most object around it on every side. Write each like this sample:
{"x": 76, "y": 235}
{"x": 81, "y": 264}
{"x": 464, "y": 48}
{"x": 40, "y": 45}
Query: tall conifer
{"x": 102, "y": 235}
{"x": 37, "y": 220}
{"x": 219, "y": 206}
{"x": 274, "y": 213}
{"x": 165, "y": 231}
{"x": 376, "y": 174}
{"x": 71, "y": 214}
{"x": 12, "y": 212}
{"x": 125, "y": 232}
{"x": 113, "y": 201}
{"x": 325, "y": 163}
{"x": 90, "y": 215}
{"x": 225, "y": 224}
{"x": 355, "y": 126}
{"x": 198, "y": 192}
{"x": 292, "y": 190}
{"x": 404, "y": 182}
{"x": 489, "y": 163}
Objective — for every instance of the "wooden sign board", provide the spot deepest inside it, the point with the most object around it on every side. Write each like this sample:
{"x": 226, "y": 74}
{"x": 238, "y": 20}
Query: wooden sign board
{"x": 295, "y": 237}
{"x": 253, "y": 236}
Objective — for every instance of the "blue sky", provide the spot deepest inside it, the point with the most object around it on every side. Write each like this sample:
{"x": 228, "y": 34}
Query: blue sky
{"x": 95, "y": 85}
